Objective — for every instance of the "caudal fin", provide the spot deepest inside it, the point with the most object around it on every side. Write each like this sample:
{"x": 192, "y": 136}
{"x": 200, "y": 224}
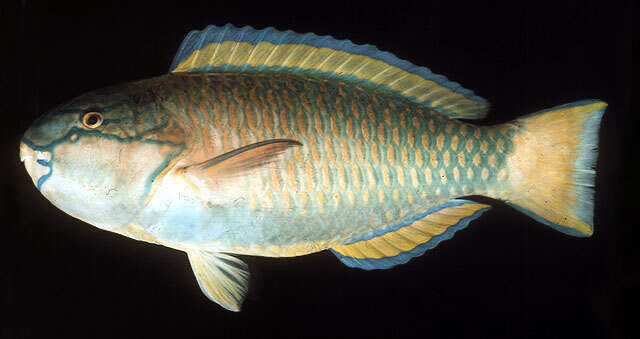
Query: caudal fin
{"x": 551, "y": 168}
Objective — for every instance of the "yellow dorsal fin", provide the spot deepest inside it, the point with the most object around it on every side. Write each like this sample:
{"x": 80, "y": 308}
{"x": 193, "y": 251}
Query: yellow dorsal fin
{"x": 400, "y": 243}
{"x": 232, "y": 49}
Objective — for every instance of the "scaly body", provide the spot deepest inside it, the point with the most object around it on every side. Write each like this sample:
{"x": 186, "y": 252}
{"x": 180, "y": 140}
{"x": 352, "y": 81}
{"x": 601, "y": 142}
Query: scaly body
{"x": 279, "y": 144}
{"x": 370, "y": 159}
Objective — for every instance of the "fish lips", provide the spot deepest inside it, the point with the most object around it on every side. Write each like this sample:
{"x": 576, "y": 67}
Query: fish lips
{"x": 37, "y": 163}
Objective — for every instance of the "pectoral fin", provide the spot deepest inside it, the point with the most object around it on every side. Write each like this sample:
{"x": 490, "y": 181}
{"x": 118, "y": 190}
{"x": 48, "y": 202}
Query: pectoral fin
{"x": 224, "y": 279}
{"x": 242, "y": 160}
{"x": 225, "y": 177}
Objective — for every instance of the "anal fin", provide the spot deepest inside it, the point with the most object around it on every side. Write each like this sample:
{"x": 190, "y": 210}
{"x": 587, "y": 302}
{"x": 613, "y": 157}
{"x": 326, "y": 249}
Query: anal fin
{"x": 400, "y": 243}
{"x": 223, "y": 278}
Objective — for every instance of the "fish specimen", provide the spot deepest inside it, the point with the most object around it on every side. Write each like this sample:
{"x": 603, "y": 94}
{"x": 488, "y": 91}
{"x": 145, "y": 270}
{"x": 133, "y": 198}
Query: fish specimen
{"x": 271, "y": 143}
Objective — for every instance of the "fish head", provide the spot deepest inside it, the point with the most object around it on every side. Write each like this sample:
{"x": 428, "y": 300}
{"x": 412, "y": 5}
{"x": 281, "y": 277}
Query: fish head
{"x": 96, "y": 157}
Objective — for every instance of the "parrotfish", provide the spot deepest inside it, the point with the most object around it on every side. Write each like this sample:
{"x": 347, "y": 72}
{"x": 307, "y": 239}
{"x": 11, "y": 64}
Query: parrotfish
{"x": 272, "y": 143}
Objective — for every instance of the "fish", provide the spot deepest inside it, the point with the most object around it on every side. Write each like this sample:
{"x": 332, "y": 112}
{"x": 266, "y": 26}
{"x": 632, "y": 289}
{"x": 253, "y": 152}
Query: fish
{"x": 279, "y": 144}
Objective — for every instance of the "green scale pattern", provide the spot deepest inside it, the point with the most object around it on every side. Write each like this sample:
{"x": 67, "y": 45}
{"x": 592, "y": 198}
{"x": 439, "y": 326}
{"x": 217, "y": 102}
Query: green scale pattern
{"x": 407, "y": 160}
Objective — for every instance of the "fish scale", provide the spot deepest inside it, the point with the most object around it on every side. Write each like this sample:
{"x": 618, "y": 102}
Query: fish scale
{"x": 367, "y": 170}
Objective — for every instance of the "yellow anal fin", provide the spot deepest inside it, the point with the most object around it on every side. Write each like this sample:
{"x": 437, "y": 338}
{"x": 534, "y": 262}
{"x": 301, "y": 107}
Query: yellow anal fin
{"x": 400, "y": 243}
{"x": 224, "y": 279}
{"x": 233, "y": 49}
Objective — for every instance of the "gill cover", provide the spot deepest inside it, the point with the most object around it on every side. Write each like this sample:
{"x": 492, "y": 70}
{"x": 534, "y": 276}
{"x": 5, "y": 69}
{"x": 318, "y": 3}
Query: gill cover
{"x": 99, "y": 171}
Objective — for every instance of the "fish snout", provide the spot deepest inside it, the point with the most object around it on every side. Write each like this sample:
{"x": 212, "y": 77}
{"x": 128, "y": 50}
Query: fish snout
{"x": 35, "y": 162}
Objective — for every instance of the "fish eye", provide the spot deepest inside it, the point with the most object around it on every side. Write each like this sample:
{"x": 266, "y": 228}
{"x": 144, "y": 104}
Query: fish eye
{"x": 92, "y": 119}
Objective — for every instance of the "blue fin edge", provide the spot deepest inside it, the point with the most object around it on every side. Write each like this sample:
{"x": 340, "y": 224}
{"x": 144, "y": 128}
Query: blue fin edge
{"x": 587, "y": 156}
{"x": 196, "y": 40}
{"x": 404, "y": 257}
{"x": 584, "y": 102}
{"x": 586, "y": 160}
{"x": 450, "y": 203}
{"x": 559, "y": 228}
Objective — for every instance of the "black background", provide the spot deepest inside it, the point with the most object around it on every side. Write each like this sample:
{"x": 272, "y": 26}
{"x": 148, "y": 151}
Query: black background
{"x": 504, "y": 276}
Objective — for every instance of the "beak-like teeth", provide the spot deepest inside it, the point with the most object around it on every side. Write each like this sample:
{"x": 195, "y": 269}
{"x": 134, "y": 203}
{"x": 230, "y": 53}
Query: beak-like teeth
{"x": 31, "y": 158}
{"x": 26, "y": 152}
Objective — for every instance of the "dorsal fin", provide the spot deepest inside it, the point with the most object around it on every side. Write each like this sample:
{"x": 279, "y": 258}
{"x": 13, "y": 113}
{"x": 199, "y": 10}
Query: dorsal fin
{"x": 232, "y": 49}
{"x": 400, "y": 243}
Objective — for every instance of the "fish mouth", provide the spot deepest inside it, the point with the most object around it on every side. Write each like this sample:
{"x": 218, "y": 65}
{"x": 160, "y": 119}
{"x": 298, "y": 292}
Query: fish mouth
{"x": 37, "y": 163}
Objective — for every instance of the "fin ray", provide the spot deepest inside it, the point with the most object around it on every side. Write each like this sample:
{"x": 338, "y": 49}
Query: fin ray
{"x": 551, "y": 169}
{"x": 399, "y": 244}
{"x": 243, "y": 159}
{"x": 211, "y": 177}
{"x": 232, "y": 49}
{"x": 222, "y": 278}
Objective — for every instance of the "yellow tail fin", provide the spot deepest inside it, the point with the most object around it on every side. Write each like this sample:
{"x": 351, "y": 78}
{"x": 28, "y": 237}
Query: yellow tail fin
{"x": 551, "y": 172}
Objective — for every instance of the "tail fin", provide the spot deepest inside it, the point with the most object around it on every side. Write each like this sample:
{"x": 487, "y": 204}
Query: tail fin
{"x": 551, "y": 168}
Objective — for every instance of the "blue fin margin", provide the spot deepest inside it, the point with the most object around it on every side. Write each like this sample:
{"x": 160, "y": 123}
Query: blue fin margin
{"x": 404, "y": 257}
{"x": 196, "y": 40}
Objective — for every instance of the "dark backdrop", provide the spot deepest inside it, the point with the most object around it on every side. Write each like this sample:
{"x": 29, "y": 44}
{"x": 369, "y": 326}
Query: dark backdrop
{"x": 503, "y": 276}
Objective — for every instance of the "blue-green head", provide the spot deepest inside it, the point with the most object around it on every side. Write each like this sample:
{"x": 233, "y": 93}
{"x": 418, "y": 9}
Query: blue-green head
{"x": 96, "y": 156}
